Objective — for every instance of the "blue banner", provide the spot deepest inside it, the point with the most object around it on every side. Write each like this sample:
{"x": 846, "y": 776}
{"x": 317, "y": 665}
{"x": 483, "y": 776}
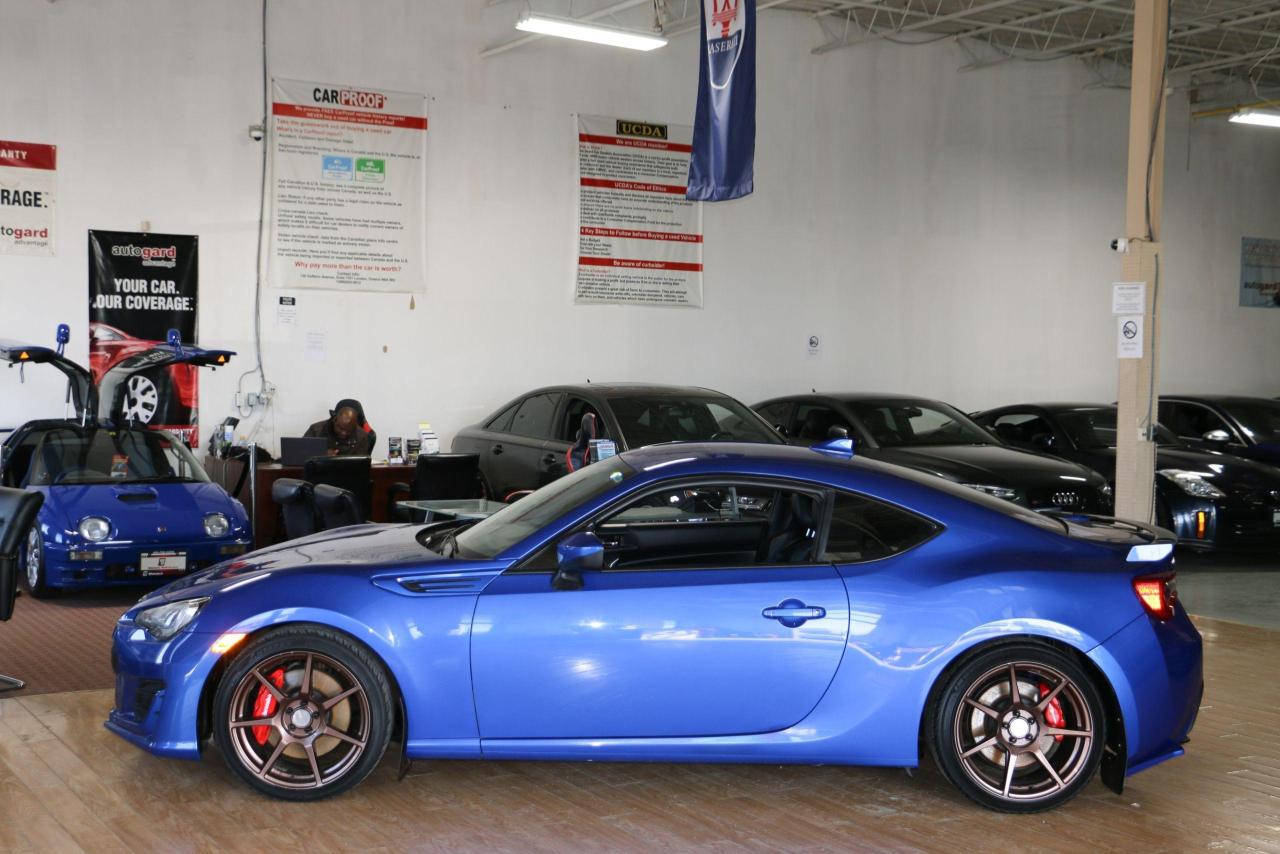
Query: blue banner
{"x": 724, "y": 130}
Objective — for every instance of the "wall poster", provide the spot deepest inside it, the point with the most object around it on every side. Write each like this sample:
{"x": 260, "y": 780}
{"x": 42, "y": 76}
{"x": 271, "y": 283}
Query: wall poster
{"x": 1260, "y": 272}
{"x": 27, "y": 173}
{"x": 140, "y": 287}
{"x": 348, "y": 195}
{"x": 639, "y": 238}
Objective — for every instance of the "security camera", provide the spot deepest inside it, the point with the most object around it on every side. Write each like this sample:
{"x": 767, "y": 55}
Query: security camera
{"x": 256, "y": 133}
{"x": 1120, "y": 244}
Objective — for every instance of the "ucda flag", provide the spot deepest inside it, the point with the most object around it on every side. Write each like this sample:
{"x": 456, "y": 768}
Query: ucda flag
{"x": 724, "y": 129}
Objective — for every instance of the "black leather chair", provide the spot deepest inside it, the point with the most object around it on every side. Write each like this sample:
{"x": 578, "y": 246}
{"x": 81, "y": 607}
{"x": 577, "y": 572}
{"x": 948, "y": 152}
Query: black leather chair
{"x": 296, "y": 500}
{"x": 338, "y": 507}
{"x": 579, "y": 454}
{"x": 438, "y": 477}
{"x": 349, "y": 473}
{"x": 18, "y": 509}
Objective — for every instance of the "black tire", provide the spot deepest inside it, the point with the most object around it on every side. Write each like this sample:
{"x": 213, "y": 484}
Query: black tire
{"x": 295, "y": 758}
{"x": 974, "y": 715}
{"x": 36, "y": 578}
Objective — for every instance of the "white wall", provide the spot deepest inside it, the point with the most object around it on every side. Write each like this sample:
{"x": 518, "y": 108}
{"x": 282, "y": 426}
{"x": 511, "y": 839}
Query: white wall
{"x": 945, "y": 233}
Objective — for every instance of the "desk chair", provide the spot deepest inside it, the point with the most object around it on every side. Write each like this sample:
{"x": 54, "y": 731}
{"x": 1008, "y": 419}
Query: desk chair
{"x": 437, "y": 477}
{"x": 296, "y": 499}
{"x": 18, "y": 509}
{"x": 338, "y": 507}
{"x": 349, "y": 473}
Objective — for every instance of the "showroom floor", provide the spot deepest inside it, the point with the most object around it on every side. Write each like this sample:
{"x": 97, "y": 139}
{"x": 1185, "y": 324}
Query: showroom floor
{"x": 67, "y": 784}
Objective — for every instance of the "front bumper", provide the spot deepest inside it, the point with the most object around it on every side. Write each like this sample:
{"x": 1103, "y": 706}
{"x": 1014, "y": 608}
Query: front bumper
{"x": 118, "y": 563}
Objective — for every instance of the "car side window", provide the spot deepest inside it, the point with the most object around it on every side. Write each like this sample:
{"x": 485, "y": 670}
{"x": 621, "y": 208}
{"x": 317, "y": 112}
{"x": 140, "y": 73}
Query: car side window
{"x": 712, "y": 525}
{"x": 1190, "y": 420}
{"x": 777, "y": 414}
{"x": 571, "y": 422}
{"x": 534, "y": 416}
{"x": 1022, "y": 429}
{"x": 814, "y": 422}
{"x": 864, "y": 529}
{"x": 502, "y": 422}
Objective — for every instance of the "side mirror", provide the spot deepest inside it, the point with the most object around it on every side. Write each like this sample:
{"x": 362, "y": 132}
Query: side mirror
{"x": 1217, "y": 437}
{"x": 835, "y": 431}
{"x": 579, "y": 553}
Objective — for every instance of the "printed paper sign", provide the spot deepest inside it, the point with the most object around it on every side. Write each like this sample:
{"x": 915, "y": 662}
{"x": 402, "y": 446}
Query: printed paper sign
{"x": 1129, "y": 298}
{"x": 1129, "y": 337}
{"x": 639, "y": 238}
{"x": 27, "y": 173}
{"x": 1259, "y": 272}
{"x": 348, "y": 188}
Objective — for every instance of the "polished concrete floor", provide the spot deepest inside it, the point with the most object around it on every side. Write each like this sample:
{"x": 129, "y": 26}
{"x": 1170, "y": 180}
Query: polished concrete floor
{"x": 1244, "y": 589}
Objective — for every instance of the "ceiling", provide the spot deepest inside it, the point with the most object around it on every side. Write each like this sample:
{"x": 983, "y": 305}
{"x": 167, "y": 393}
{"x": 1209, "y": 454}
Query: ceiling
{"x": 1210, "y": 40}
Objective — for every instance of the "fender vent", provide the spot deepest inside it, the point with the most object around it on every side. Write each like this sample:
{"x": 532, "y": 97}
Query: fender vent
{"x": 439, "y": 583}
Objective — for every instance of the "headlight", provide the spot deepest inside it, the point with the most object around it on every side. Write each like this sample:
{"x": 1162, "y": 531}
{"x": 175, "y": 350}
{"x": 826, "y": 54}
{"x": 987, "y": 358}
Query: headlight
{"x": 95, "y": 529}
{"x": 998, "y": 491}
{"x": 1193, "y": 483}
{"x": 165, "y": 621}
{"x": 216, "y": 525}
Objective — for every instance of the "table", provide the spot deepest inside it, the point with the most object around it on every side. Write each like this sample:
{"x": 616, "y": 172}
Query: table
{"x": 267, "y": 529}
{"x": 455, "y": 508}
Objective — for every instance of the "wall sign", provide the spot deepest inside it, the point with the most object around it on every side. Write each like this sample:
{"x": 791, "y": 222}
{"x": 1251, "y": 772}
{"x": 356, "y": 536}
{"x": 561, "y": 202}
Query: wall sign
{"x": 348, "y": 188}
{"x": 1129, "y": 337}
{"x": 1129, "y": 298}
{"x": 639, "y": 238}
{"x": 27, "y": 173}
{"x": 1259, "y": 272}
{"x": 140, "y": 287}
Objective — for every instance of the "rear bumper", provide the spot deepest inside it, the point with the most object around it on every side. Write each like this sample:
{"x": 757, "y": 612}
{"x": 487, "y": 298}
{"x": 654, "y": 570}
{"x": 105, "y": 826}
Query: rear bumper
{"x": 118, "y": 563}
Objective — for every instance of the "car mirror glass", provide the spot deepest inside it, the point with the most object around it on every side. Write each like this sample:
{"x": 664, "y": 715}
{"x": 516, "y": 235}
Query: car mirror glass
{"x": 582, "y": 552}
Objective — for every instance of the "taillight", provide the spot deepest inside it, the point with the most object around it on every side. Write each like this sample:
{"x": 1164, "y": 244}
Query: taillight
{"x": 1158, "y": 594}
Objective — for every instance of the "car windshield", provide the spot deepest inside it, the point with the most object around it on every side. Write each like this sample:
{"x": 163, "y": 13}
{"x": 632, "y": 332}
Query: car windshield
{"x": 666, "y": 418}
{"x": 1260, "y": 419}
{"x": 1090, "y": 429}
{"x": 75, "y": 455}
{"x": 895, "y": 423}
{"x": 494, "y": 535}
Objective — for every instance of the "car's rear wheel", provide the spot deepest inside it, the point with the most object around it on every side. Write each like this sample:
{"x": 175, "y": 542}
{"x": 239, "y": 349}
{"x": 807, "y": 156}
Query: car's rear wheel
{"x": 303, "y": 713}
{"x": 1019, "y": 728}
{"x": 33, "y": 565}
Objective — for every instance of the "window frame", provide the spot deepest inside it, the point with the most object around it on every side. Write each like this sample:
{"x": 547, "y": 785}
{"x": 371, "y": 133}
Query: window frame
{"x": 557, "y": 399}
{"x": 936, "y": 526}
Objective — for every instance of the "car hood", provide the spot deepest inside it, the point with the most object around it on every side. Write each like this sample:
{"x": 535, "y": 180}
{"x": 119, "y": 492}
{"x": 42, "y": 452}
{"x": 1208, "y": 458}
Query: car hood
{"x": 1224, "y": 470}
{"x": 994, "y": 465}
{"x": 145, "y": 511}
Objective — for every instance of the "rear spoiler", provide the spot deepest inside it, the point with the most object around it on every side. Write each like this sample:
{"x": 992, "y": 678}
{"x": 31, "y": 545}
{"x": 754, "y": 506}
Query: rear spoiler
{"x": 80, "y": 390}
{"x": 1145, "y": 542}
{"x": 111, "y": 387}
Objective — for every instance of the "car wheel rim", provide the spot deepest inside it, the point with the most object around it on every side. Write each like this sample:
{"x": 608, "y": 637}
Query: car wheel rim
{"x": 1024, "y": 732}
{"x": 33, "y": 558}
{"x": 316, "y": 726}
{"x": 142, "y": 398}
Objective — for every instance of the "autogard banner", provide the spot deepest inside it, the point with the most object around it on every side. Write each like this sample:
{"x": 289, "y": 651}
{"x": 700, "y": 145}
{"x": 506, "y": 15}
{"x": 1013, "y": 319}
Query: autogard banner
{"x": 1259, "y": 272}
{"x": 140, "y": 287}
{"x": 348, "y": 195}
{"x": 27, "y": 173}
{"x": 639, "y": 238}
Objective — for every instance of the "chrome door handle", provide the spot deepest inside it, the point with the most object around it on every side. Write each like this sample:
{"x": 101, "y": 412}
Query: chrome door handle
{"x": 793, "y": 613}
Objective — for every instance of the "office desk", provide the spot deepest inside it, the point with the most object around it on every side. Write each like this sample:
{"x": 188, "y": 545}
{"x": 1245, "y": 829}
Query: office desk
{"x": 267, "y": 529}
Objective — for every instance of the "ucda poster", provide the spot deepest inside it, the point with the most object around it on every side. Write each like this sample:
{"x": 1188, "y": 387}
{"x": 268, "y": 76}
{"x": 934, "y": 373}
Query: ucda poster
{"x": 140, "y": 287}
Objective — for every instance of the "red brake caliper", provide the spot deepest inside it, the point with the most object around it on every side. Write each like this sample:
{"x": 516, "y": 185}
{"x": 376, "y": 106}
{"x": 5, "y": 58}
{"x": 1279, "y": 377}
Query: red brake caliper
{"x": 1053, "y": 712}
{"x": 264, "y": 705}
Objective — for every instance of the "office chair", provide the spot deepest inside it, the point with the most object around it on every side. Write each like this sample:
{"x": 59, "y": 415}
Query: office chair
{"x": 437, "y": 477}
{"x": 18, "y": 509}
{"x": 338, "y": 507}
{"x": 349, "y": 473}
{"x": 296, "y": 499}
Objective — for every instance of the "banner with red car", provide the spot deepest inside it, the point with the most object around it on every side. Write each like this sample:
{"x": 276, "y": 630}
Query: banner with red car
{"x": 140, "y": 287}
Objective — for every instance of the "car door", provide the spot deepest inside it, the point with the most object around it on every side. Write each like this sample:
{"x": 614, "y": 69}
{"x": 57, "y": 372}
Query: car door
{"x": 1191, "y": 421}
{"x": 514, "y": 454}
{"x": 711, "y": 617}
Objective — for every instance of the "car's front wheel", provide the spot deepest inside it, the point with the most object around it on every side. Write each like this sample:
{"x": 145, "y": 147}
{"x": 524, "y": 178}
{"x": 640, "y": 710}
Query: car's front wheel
{"x": 33, "y": 564}
{"x": 303, "y": 713}
{"x": 1019, "y": 728}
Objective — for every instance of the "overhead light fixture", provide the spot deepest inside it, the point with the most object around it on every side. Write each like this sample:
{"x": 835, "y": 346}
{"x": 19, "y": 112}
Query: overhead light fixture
{"x": 1265, "y": 118}
{"x": 569, "y": 28}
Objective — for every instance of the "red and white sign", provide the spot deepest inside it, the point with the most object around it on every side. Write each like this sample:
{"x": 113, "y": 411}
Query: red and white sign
{"x": 27, "y": 174}
{"x": 348, "y": 188}
{"x": 639, "y": 238}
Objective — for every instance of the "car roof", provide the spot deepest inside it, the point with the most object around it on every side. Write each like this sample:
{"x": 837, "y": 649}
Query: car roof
{"x": 857, "y": 397}
{"x": 1218, "y": 398}
{"x": 631, "y": 388}
{"x": 1055, "y": 406}
{"x": 744, "y": 456}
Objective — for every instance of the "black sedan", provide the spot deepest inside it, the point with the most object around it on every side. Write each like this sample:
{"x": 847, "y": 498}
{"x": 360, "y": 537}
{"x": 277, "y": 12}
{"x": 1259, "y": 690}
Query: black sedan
{"x": 525, "y": 444}
{"x": 937, "y": 438}
{"x": 1243, "y": 426}
{"x": 1210, "y": 499}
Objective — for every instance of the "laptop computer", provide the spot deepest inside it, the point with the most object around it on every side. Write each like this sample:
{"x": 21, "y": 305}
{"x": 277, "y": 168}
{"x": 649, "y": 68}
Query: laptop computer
{"x": 295, "y": 451}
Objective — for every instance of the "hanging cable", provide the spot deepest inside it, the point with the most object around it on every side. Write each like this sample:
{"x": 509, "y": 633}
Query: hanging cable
{"x": 262, "y": 207}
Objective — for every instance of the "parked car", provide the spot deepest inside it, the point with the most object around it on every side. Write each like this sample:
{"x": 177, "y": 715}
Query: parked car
{"x": 936, "y": 438}
{"x": 123, "y": 504}
{"x": 523, "y": 445}
{"x": 1244, "y": 426}
{"x": 155, "y": 396}
{"x": 685, "y": 602}
{"x": 1210, "y": 499}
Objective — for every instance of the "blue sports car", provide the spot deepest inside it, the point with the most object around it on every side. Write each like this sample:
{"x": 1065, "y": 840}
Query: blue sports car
{"x": 685, "y": 602}
{"x": 122, "y": 504}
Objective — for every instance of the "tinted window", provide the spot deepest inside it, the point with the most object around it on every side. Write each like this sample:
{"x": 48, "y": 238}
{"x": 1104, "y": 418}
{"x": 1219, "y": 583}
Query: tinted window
{"x": 1096, "y": 428}
{"x": 776, "y": 413}
{"x": 534, "y": 416}
{"x": 814, "y": 422}
{"x": 1190, "y": 420}
{"x": 893, "y": 423}
{"x": 1259, "y": 418}
{"x": 502, "y": 422}
{"x": 1025, "y": 429}
{"x": 864, "y": 529}
{"x": 572, "y": 420}
{"x": 667, "y": 418}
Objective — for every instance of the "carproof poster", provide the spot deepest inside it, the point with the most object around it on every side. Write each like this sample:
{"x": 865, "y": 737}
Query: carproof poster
{"x": 140, "y": 287}
{"x": 1260, "y": 273}
{"x": 348, "y": 188}
{"x": 639, "y": 238}
{"x": 27, "y": 173}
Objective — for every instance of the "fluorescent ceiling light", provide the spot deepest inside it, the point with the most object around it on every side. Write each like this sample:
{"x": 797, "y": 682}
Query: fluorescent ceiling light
{"x": 1256, "y": 117}
{"x": 568, "y": 28}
